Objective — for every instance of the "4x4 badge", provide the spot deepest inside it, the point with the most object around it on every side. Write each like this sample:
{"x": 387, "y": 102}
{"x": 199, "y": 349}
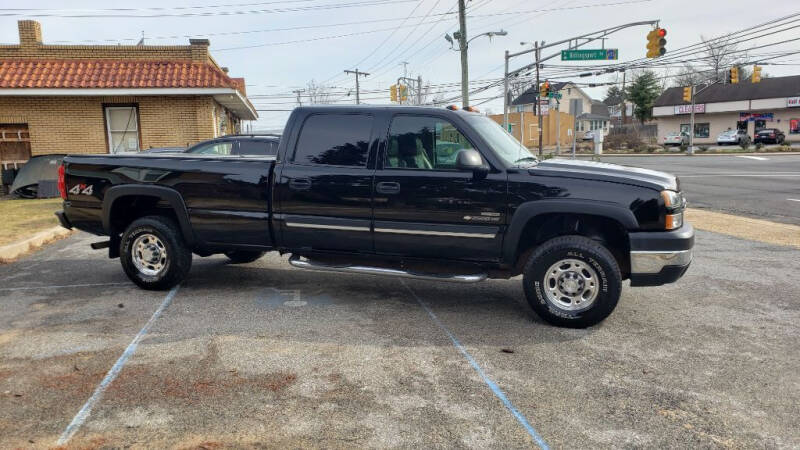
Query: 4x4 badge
{"x": 82, "y": 189}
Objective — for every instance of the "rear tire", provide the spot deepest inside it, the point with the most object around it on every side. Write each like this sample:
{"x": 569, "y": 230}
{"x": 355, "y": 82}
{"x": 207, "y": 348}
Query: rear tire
{"x": 244, "y": 256}
{"x": 153, "y": 253}
{"x": 572, "y": 281}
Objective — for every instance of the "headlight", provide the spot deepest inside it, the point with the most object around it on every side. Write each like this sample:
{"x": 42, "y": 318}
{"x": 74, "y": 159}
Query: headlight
{"x": 672, "y": 200}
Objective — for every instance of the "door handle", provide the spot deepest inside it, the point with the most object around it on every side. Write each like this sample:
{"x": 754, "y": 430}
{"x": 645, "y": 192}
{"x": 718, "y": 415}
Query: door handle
{"x": 388, "y": 187}
{"x": 300, "y": 184}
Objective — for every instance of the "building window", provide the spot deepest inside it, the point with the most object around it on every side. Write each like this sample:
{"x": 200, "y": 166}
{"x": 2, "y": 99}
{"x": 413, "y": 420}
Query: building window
{"x": 122, "y": 127}
{"x": 701, "y": 130}
{"x": 794, "y": 126}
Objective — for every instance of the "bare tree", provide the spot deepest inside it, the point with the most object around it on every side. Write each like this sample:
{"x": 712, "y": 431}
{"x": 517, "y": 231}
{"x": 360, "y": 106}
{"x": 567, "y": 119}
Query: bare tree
{"x": 317, "y": 93}
{"x": 688, "y": 76}
{"x": 720, "y": 55}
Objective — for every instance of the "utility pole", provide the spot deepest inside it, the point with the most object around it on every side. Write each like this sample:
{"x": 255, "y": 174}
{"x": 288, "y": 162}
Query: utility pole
{"x": 298, "y": 92}
{"x": 539, "y": 102}
{"x": 357, "y": 74}
{"x": 405, "y": 68}
{"x": 419, "y": 90}
{"x": 462, "y": 43}
{"x": 690, "y": 150}
{"x": 505, "y": 95}
{"x": 624, "y": 102}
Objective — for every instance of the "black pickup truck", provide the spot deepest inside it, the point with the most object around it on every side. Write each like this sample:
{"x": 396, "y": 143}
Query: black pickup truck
{"x": 433, "y": 193}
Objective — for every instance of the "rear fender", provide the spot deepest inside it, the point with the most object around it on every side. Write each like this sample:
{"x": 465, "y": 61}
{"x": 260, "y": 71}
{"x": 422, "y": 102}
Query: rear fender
{"x": 166, "y": 194}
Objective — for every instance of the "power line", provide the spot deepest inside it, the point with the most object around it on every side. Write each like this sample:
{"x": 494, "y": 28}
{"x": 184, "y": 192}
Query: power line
{"x": 216, "y": 13}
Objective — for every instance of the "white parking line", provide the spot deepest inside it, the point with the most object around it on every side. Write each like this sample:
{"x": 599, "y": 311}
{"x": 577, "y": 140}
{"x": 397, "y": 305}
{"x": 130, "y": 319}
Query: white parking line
{"x": 758, "y": 158}
{"x": 489, "y": 382}
{"x": 84, "y": 412}
{"x": 793, "y": 199}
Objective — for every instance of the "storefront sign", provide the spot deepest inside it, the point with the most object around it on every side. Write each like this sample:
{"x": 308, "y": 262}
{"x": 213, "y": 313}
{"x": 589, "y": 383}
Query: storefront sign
{"x": 687, "y": 109}
{"x": 792, "y": 102}
{"x": 755, "y": 116}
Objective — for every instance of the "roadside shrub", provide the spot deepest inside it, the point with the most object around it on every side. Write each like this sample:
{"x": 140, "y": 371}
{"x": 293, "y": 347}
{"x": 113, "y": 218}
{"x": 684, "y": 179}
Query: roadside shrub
{"x": 703, "y": 148}
{"x": 633, "y": 140}
{"x": 745, "y": 145}
{"x": 684, "y": 147}
{"x": 614, "y": 142}
{"x": 785, "y": 148}
{"x": 759, "y": 146}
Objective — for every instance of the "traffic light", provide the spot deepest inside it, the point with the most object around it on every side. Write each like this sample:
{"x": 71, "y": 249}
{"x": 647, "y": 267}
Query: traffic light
{"x": 756, "y": 74}
{"x": 733, "y": 75}
{"x": 656, "y": 43}
{"x": 393, "y": 93}
{"x": 687, "y": 94}
{"x": 544, "y": 89}
{"x": 403, "y": 92}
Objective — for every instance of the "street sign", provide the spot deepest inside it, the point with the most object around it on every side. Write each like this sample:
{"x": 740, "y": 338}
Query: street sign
{"x": 600, "y": 54}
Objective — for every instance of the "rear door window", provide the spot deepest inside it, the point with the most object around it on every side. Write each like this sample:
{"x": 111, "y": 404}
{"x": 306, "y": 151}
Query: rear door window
{"x": 255, "y": 148}
{"x": 213, "y": 148}
{"x": 334, "y": 140}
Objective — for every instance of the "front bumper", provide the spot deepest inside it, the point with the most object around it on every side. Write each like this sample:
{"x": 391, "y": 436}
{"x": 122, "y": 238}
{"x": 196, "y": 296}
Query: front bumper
{"x": 660, "y": 257}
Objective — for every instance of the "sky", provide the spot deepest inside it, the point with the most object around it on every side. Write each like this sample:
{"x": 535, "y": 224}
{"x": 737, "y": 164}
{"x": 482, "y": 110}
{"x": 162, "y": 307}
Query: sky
{"x": 281, "y": 45}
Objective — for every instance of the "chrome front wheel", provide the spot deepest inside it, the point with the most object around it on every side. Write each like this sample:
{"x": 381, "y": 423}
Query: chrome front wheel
{"x": 571, "y": 285}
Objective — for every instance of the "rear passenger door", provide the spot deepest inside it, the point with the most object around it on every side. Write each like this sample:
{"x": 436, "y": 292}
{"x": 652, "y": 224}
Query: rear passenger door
{"x": 325, "y": 187}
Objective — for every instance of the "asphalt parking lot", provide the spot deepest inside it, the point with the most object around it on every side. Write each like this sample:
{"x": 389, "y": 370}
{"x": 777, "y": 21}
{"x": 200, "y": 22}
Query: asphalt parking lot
{"x": 265, "y": 355}
{"x": 763, "y": 186}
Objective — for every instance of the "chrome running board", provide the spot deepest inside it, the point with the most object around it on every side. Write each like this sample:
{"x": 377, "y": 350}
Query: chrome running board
{"x": 296, "y": 261}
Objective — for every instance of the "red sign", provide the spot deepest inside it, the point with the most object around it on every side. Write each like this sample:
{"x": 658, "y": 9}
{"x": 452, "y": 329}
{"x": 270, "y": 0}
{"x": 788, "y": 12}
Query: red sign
{"x": 687, "y": 109}
{"x": 792, "y": 102}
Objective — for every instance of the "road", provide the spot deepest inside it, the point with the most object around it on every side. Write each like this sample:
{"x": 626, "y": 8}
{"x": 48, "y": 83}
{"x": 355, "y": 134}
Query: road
{"x": 761, "y": 186}
{"x": 264, "y": 355}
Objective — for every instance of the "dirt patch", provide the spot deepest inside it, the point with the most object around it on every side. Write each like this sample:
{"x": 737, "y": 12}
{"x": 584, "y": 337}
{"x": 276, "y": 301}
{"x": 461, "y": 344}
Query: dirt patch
{"x": 745, "y": 227}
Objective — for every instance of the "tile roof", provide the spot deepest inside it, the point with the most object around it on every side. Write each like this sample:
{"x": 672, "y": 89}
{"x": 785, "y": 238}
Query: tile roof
{"x": 772, "y": 87}
{"x": 111, "y": 73}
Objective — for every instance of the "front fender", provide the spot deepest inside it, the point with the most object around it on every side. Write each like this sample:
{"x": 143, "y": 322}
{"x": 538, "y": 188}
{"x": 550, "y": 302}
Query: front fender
{"x": 530, "y": 210}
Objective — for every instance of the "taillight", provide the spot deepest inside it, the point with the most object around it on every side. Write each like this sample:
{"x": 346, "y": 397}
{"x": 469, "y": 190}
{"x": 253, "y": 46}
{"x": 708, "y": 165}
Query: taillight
{"x": 62, "y": 182}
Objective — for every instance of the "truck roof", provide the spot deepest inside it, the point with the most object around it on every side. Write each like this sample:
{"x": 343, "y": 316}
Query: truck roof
{"x": 395, "y": 108}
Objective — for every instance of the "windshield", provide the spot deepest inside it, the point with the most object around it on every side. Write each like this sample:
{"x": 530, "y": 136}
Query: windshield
{"x": 504, "y": 145}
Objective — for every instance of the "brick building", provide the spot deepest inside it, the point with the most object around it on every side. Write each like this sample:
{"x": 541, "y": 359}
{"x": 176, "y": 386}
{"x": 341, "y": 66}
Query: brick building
{"x": 112, "y": 98}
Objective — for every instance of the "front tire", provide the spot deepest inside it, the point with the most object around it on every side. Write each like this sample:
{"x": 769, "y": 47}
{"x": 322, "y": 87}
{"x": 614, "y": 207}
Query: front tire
{"x": 153, "y": 253}
{"x": 243, "y": 256}
{"x": 572, "y": 281}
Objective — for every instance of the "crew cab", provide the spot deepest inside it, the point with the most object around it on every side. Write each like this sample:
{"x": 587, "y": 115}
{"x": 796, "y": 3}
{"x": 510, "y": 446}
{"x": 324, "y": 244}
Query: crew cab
{"x": 433, "y": 193}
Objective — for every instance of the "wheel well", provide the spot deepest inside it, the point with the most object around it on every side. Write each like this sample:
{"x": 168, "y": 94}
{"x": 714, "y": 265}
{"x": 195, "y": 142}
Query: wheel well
{"x": 547, "y": 226}
{"x": 128, "y": 208}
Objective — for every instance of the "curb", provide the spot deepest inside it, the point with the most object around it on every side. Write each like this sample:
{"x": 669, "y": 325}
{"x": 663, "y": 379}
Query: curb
{"x": 13, "y": 251}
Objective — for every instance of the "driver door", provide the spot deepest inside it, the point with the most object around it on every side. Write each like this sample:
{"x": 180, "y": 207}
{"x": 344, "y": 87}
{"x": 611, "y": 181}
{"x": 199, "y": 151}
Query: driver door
{"x": 425, "y": 207}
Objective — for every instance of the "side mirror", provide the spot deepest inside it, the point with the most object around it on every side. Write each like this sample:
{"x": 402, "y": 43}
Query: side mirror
{"x": 470, "y": 160}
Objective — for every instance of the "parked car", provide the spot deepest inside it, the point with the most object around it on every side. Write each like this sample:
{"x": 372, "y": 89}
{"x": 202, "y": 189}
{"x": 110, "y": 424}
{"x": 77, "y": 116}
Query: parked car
{"x": 770, "y": 136}
{"x": 238, "y": 144}
{"x": 34, "y": 178}
{"x": 589, "y": 135}
{"x": 737, "y": 137}
{"x": 373, "y": 190}
{"x": 165, "y": 150}
{"x": 676, "y": 139}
